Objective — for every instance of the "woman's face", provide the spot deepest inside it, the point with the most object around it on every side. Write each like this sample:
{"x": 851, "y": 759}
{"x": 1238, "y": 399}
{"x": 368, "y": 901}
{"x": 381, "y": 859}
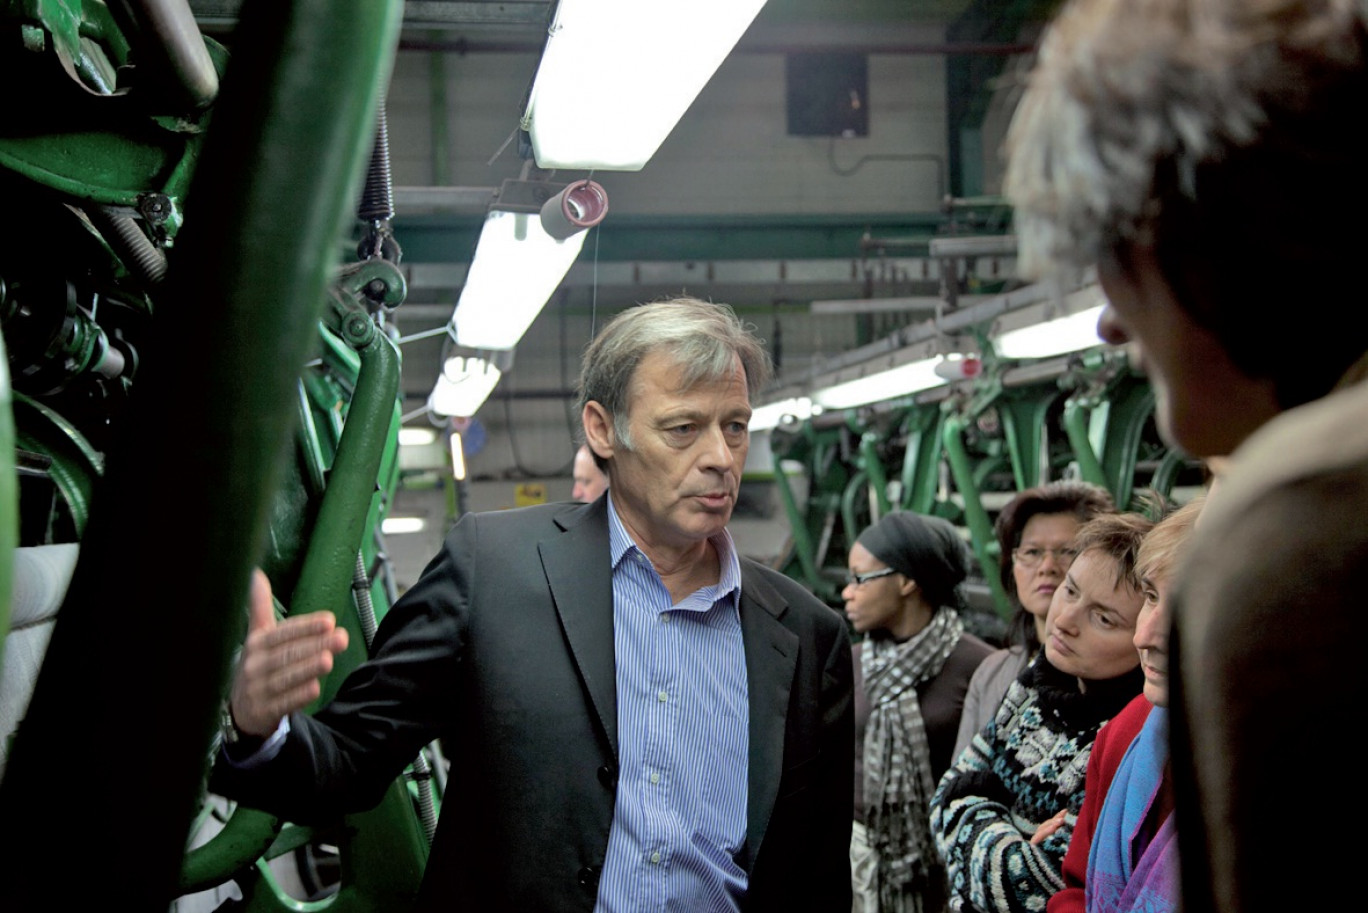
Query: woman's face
{"x": 1042, "y": 558}
{"x": 1151, "y": 639}
{"x": 1090, "y": 629}
{"x": 876, "y": 604}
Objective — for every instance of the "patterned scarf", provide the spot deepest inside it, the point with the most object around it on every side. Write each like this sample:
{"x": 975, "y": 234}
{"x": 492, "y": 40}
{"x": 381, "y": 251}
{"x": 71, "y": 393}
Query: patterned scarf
{"x": 1125, "y": 873}
{"x": 897, "y": 763}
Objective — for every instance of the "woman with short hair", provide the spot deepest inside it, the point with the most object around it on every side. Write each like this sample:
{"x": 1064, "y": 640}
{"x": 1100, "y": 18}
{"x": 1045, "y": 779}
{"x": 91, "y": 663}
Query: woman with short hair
{"x": 1003, "y": 814}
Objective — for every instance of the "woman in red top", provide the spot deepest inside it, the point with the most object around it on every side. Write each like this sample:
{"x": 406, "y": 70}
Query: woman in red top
{"x": 1120, "y": 858}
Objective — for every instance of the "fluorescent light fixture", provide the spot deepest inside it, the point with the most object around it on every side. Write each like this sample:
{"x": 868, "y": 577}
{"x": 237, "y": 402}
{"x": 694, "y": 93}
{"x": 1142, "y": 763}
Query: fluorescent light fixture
{"x": 1053, "y": 337}
{"x": 463, "y": 386}
{"x": 772, "y": 415}
{"x": 516, "y": 268}
{"x": 392, "y": 526}
{"x": 416, "y": 437}
{"x": 617, "y": 75}
{"x": 889, "y": 384}
{"x": 531, "y": 235}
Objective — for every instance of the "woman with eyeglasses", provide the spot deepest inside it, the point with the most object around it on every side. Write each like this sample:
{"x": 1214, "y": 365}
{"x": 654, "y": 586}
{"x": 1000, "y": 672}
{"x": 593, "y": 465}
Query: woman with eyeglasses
{"x": 1034, "y": 533}
{"x": 912, "y": 664}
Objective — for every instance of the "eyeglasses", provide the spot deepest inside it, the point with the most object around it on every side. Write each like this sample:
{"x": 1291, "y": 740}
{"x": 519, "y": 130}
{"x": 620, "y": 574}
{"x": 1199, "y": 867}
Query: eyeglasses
{"x": 857, "y": 579}
{"x": 1030, "y": 557}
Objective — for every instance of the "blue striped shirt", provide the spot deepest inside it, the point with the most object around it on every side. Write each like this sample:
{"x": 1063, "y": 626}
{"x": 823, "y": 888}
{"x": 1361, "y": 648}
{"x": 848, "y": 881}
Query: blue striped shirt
{"x": 680, "y": 818}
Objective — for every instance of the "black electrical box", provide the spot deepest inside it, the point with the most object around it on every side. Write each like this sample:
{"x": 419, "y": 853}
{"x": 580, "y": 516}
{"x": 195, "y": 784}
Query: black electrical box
{"x": 828, "y": 94}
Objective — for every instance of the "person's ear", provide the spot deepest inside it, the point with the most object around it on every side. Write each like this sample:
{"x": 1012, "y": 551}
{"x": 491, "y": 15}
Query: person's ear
{"x": 598, "y": 429}
{"x": 908, "y": 587}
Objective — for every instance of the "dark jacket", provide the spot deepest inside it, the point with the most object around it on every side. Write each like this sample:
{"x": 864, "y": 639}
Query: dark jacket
{"x": 504, "y": 649}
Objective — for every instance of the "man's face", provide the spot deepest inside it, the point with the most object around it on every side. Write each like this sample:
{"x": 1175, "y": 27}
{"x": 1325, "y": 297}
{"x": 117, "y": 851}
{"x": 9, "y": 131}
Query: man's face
{"x": 1089, "y": 630}
{"x": 678, "y": 484}
{"x": 590, "y": 482}
{"x": 1204, "y": 404}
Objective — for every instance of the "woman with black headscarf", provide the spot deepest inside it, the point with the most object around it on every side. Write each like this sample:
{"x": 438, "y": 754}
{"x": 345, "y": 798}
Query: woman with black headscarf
{"x": 903, "y": 593}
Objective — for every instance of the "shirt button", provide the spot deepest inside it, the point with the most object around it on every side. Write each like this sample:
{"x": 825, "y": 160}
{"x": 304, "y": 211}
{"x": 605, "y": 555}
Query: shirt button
{"x": 655, "y": 857}
{"x": 662, "y": 697}
{"x": 665, "y": 617}
{"x": 655, "y": 777}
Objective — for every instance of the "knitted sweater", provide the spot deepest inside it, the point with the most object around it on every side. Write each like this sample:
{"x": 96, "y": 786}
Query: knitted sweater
{"x": 987, "y": 688}
{"x": 1025, "y": 766}
{"x": 1109, "y": 748}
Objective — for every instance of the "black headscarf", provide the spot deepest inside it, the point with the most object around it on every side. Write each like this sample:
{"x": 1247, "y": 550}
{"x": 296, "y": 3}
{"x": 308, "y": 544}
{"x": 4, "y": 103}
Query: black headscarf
{"x": 925, "y": 548}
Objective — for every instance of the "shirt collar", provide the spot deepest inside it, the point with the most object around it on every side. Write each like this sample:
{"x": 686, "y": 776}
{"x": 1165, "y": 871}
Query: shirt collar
{"x": 620, "y": 544}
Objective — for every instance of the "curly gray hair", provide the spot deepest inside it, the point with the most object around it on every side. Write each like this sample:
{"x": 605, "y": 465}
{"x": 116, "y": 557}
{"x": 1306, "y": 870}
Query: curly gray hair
{"x": 1221, "y": 133}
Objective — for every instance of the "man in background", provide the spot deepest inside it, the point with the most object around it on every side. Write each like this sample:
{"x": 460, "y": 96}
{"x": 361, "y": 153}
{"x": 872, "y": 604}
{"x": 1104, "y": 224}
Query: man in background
{"x": 1202, "y": 154}
{"x": 590, "y": 480}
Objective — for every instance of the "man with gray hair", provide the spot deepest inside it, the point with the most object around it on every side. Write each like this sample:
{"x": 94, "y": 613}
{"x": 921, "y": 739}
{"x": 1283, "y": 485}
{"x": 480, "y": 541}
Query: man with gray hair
{"x": 1204, "y": 154}
{"x": 637, "y": 717}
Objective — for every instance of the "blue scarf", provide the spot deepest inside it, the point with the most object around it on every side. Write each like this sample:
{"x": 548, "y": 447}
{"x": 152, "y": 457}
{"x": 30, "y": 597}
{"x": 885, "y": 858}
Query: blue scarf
{"x": 1126, "y": 873}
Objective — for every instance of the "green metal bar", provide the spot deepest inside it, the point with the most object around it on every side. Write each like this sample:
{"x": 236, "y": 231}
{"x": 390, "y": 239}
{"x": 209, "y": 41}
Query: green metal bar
{"x": 382, "y": 850}
{"x": 362, "y": 453}
{"x": 986, "y": 466}
{"x": 235, "y": 321}
{"x": 1166, "y": 473}
{"x": 1130, "y": 405}
{"x": 245, "y": 837}
{"x": 326, "y": 402}
{"x": 802, "y": 542}
{"x": 874, "y": 468}
{"x": 75, "y": 463}
{"x": 850, "y": 495}
{"x": 976, "y": 518}
{"x": 1023, "y": 426}
{"x": 1077, "y": 410}
{"x": 309, "y": 443}
{"x": 383, "y": 854}
{"x": 340, "y": 528}
{"x": 921, "y": 458}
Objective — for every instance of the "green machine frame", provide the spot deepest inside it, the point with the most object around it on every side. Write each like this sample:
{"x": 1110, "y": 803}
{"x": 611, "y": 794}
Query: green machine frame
{"x": 183, "y": 275}
{"x": 959, "y": 452}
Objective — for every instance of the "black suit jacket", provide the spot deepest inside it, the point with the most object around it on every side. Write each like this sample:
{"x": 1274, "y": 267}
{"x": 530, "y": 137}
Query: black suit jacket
{"x": 504, "y": 649}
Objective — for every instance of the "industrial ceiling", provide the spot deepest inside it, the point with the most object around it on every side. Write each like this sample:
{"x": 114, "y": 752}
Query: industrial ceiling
{"x": 769, "y": 260}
